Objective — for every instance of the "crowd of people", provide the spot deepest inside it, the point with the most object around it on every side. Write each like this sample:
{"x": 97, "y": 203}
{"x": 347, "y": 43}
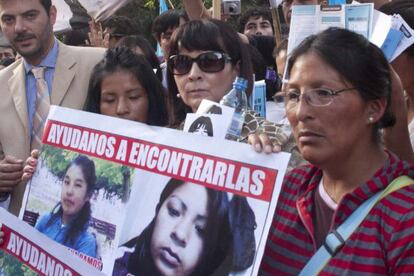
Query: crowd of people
{"x": 348, "y": 120}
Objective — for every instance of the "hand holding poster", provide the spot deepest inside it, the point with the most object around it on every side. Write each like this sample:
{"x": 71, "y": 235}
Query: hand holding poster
{"x": 163, "y": 201}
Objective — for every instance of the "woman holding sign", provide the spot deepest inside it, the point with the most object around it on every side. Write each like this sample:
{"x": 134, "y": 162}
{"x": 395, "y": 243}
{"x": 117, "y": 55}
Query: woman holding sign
{"x": 205, "y": 58}
{"x": 124, "y": 85}
{"x": 337, "y": 98}
{"x": 68, "y": 222}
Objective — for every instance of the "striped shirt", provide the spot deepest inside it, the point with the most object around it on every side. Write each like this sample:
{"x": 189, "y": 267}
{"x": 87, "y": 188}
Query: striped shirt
{"x": 383, "y": 243}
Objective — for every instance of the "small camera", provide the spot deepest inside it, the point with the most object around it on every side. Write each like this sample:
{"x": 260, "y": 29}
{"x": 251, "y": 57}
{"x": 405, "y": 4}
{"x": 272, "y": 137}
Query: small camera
{"x": 231, "y": 7}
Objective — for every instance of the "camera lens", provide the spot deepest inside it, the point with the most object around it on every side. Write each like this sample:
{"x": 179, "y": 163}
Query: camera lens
{"x": 231, "y": 9}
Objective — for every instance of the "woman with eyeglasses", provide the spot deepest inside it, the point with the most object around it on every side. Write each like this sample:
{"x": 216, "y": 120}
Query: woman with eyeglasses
{"x": 337, "y": 100}
{"x": 205, "y": 58}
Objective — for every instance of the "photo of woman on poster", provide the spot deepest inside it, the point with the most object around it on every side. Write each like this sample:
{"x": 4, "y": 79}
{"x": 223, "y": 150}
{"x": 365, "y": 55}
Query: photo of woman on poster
{"x": 189, "y": 235}
{"x": 68, "y": 221}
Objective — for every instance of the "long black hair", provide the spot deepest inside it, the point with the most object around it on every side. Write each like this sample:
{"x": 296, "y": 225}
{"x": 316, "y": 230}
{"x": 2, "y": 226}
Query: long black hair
{"x": 81, "y": 221}
{"x": 122, "y": 58}
{"x": 217, "y": 239}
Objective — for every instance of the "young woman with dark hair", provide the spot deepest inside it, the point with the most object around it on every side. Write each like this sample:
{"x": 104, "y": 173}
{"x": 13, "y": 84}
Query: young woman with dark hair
{"x": 167, "y": 246}
{"x": 124, "y": 85}
{"x": 68, "y": 222}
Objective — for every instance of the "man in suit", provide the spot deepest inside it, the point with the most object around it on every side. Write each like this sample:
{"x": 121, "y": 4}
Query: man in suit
{"x": 28, "y": 25}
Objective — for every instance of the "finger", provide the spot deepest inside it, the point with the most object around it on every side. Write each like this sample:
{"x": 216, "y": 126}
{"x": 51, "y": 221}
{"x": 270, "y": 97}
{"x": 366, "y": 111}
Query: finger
{"x": 277, "y": 148}
{"x": 32, "y": 162}
{"x": 100, "y": 27}
{"x": 92, "y": 25}
{"x": 10, "y": 168}
{"x": 28, "y": 169}
{"x": 11, "y": 160}
{"x": 10, "y": 176}
{"x": 91, "y": 37}
{"x": 254, "y": 140}
{"x": 35, "y": 153}
{"x": 106, "y": 41}
{"x": 8, "y": 189}
{"x": 27, "y": 176}
{"x": 266, "y": 143}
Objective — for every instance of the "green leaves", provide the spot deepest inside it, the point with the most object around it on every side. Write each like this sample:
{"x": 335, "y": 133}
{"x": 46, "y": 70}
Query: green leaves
{"x": 112, "y": 177}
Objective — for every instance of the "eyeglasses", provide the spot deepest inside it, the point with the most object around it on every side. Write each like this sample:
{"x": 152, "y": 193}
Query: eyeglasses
{"x": 209, "y": 62}
{"x": 314, "y": 97}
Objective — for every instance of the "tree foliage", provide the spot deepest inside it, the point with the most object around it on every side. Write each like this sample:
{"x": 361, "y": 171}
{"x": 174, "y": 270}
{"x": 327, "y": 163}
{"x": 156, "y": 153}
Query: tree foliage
{"x": 10, "y": 266}
{"x": 112, "y": 177}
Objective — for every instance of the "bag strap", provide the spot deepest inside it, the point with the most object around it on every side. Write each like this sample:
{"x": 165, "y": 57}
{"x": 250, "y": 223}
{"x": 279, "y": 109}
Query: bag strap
{"x": 336, "y": 238}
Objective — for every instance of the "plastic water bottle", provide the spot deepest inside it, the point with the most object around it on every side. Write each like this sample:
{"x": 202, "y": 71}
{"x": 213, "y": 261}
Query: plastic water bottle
{"x": 237, "y": 99}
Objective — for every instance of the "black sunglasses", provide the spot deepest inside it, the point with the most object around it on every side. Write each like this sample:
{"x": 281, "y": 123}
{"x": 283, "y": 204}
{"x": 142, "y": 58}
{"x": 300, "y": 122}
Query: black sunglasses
{"x": 209, "y": 62}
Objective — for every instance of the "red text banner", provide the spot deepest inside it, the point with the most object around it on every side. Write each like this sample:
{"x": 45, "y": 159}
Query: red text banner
{"x": 33, "y": 256}
{"x": 218, "y": 173}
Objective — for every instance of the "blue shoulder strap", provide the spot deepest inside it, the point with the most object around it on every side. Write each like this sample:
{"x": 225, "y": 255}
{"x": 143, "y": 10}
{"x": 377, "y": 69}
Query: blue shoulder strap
{"x": 336, "y": 238}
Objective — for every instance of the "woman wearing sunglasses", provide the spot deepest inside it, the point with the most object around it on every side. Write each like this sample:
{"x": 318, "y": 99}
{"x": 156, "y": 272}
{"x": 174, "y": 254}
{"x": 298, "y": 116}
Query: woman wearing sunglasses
{"x": 205, "y": 58}
{"x": 338, "y": 97}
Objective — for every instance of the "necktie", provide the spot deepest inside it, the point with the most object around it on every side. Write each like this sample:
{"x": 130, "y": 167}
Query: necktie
{"x": 42, "y": 107}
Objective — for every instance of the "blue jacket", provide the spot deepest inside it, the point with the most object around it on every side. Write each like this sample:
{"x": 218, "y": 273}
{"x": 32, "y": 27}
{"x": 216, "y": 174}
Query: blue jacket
{"x": 84, "y": 243}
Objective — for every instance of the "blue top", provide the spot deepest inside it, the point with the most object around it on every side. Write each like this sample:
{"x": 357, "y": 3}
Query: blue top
{"x": 50, "y": 63}
{"x": 85, "y": 243}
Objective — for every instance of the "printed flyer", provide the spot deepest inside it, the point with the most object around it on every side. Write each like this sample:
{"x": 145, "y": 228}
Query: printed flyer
{"x": 25, "y": 251}
{"x": 129, "y": 198}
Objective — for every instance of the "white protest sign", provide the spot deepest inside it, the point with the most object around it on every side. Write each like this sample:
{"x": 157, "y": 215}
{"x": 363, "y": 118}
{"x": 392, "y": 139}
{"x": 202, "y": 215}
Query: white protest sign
{"x": 64, "y": 14}
{"x": 212, "y": 125}
{"x": 275, "y": 3}
{"x": 310, "y": 19}
{"x": 102, "y": 9}
{"x": 407, "y": 40}
{"x": 148, "y": 181}
{"x": 25, "y": 249}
